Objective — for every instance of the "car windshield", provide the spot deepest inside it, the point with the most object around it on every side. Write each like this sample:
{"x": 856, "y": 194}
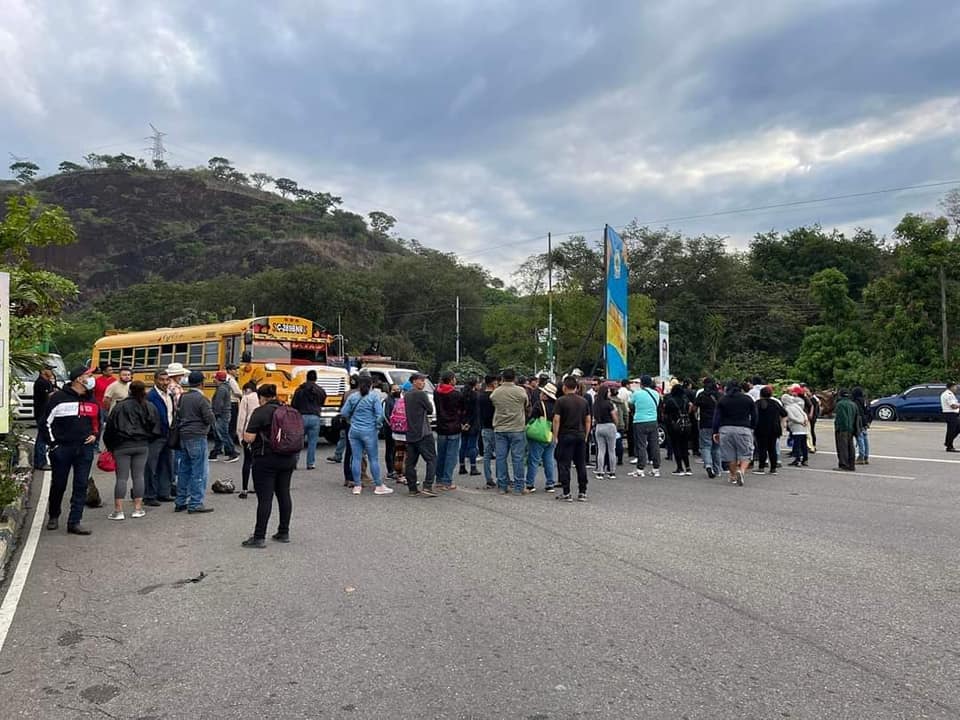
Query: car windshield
{"x": 399, "y": 377}
{"x": 59, "y": 370}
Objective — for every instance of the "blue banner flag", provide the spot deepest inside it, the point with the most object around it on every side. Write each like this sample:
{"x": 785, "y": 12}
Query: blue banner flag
{"x": 616, "y": 348}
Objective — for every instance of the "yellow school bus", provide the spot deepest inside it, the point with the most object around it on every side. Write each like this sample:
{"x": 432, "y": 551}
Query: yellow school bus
{"x": 274, "y": 349}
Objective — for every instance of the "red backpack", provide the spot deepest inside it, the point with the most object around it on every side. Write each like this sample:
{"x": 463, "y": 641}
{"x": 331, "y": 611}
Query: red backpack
{"x": 398, "y": 417}
{"x": 286, "y": 431}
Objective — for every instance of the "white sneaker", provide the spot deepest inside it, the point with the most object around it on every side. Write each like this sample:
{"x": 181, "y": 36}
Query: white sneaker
{"x": 382, "y": 490}
{"x": 138, "y": 513}
{"x": 115, "y": 515}
{"x": 357, "y": 489}
{"x": 633, "y": 460}
{"x": 636, "y": 473}
{"x": 656, "y": 472}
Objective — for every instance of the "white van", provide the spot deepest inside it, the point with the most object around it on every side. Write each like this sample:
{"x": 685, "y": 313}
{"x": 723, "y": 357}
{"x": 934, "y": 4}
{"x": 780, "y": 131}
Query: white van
{"x": 398, "y": 376}
{"x": 23, "y": 382}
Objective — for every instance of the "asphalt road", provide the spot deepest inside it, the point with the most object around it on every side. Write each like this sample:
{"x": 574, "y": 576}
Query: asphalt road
{"x": 812, "y": 594}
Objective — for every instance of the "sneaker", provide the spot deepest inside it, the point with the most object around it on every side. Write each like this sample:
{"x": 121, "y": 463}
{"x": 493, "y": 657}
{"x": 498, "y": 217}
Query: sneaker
{"x": 281, "y": 537}
{"x": 565, "y": 498}
{"x": 427, "y": 491}
{"x": 242, "y": 496}
{"x": 611, "y": 476}
{"x": 531, "y": 489}
{"x": 656, "y": 472}
{"x": 311, "y": 467}
{"x": 582, "y": 497}
{"x": 115, "y": 515}
{"x": 598, "y": 474}
{"x": 254, "y": 542}
{"x": 772, "y": 472}
{"x": 866, "y": 461}
{"x": 636, "y": 473}
{"x": 804, "y": 464}
{"x": 179, "y": 508}
{"x": 633, "y": 461}
{"x": 550, "y": 489}
{"x": 232, "y": 458}
{"x": 463, "y": 470}
{"x": 199, "y": 509}
{"x": 677, "y": 472}
{"x": 528, "y": 491}
{"x": 474, "y": 472}
{"x": 213, "y": 458}
{"x": 740, "y": 478}
{"x": 333, "y": 460}
{"x": 504, "y": 492}
{"x": 491, "y": 484}
{"x": 688, "y": 472}
{"x": 138, "y": 513}
{"x": 382, "y": 490}
{"x": 357, "y": 489}
{"x": 444, "y": 486}
{"x": 759, "y": 472}
{"x": 152, "y": 503}
{"x": 711, "y": 473}
{"x": 795, "y": 463}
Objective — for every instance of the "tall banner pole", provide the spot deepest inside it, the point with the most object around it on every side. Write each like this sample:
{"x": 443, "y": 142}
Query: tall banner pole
{"x": 616, "y": 299}
{"x": 551, "y": 356}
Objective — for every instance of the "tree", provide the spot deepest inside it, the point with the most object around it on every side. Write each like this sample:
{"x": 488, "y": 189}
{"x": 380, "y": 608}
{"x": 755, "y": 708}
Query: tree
{"x": 381, "y": 222}
{"x": 37, "y": 297}
{"x": 67, "y": 167}
{"x": 950, "y": 204}
{"x": 285, "y": 186}
{"x": 260, "y": 179}
{"x": 24, "y": 171}
{"x": 220, "y": 167}
{"x": 160, "y": 165}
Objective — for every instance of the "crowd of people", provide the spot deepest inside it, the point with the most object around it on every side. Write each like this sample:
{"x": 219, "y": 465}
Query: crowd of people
{"x": 162, "y": 439}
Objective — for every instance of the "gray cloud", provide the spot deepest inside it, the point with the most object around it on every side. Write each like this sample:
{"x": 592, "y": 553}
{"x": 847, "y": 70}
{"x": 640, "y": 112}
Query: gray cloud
{"x": 478, "y": 124}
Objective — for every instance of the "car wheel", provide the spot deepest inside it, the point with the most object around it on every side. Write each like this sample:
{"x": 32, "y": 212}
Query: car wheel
{"x": 661, "y": 436}
{"x": 885, "y": 412}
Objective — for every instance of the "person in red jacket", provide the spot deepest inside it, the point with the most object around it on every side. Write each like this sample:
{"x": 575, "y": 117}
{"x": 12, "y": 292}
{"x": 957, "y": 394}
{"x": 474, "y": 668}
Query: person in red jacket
{"x": 104, "y": 380}
{"x": 450, "y": 424}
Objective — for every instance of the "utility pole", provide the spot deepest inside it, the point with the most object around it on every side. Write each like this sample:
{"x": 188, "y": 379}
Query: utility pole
{"x": 943, "y": 316}
{"x": 340, "y": 333}
{"x": 458, "y": 329}
{"x": 157, "y": 149}
{"x": 551, "y": 364}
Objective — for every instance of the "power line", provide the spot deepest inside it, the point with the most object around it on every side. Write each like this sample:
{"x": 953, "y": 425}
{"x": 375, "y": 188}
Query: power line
{"x": 722, "y": 213}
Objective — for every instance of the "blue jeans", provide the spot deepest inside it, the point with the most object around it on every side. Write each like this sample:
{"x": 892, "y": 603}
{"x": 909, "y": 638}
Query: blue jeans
{"x": 538, "y": 452}
{"x": 192, "y": 477}
{"x": 224, "y": 443}
{"x": 489, "y": 442}
{"x": 468, "y": 447}
{"x": 311, "y": 428}
{"x": 341, "y": 447}
{"x": 448, "y": 451}
{"x": 863, "y": 445}
{"x": 709, "y": 450}
{"x": 63, "y": 460}
{"x": 361, "y": 442}
{"x": 39, "y": 451}
{"x": 514, "y": 443}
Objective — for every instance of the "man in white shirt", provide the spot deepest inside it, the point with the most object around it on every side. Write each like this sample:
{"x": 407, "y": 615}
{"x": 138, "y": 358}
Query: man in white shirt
{"x": 951, "y": 413}
{"x": 756, "y": 383}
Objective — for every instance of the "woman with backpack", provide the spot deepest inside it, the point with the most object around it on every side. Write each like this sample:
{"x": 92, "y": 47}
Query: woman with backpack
{"x": 676, "y": 410}
{"x": 365, "y": 412}
{"x": 130, "y": 428}
{"x": 397, "y": 422}
{"x": 273, "y": 463}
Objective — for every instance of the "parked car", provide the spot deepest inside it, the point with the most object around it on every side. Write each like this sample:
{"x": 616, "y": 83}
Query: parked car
{"x": 918, "y": 402}
{"x": 23, "y": 383}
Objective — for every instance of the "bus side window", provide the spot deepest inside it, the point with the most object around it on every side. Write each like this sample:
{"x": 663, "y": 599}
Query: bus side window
{"x": 139, "y": 358}
{"x": 211, "y": 355}
{"x": 180, "y": 353}
{"x": 166, "y": 355}
{"x": 231, "y": 355}
{"x": 153, "y": 356}
{"x": 195, "y": 357}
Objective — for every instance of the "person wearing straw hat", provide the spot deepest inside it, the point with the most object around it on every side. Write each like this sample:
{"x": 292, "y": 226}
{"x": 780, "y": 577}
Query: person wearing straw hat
{"x": 539, "y": 453}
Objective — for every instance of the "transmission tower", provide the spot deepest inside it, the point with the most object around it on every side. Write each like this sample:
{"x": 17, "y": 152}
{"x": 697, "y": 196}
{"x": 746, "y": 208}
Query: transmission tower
{"x": 157, "y": 148}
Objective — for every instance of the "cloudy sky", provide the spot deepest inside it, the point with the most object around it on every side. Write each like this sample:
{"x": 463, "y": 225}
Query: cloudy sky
{"x": 482, "y": 125}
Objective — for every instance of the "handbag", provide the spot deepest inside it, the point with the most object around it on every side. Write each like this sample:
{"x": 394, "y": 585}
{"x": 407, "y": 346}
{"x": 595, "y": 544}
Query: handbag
{"x": 106, "y": 462}
{"x": 539, "y": 429}
{"x": 173, "y": 437}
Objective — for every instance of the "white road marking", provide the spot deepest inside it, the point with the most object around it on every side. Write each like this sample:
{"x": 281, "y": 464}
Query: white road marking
{"x": 12, "y": 598}
{"x": 915, "y": 459}
{"x": 858, "y": 473}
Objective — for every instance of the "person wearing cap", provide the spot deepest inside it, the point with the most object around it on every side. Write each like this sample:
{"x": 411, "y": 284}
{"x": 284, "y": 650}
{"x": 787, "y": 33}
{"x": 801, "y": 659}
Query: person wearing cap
{"x": 236, "y": 395}
{"x": 43, "y": 387}
{"x": 846, "y": 427}
{"x": 71, "y": 429}
{"x": 542, "y": 401}
{"x": 420, "y": 441}
{"x": 222, "y": 411}
{"x": 194, "y": 419}
{"x": 646, "y": 406}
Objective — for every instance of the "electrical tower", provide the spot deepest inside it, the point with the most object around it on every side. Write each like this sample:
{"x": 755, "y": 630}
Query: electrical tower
{"x": 157, "y": 148}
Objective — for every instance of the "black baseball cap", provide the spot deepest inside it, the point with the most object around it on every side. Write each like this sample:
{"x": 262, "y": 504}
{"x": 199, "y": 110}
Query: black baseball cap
{"x": 79, "y": 372}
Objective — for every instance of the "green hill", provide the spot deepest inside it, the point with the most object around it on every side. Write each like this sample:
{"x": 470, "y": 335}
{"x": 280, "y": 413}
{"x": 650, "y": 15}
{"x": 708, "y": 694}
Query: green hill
{"x": 187, "y": 225}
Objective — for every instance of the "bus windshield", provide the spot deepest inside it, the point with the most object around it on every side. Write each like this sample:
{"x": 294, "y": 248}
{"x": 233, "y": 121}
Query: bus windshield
{"x": 289, "y": 353}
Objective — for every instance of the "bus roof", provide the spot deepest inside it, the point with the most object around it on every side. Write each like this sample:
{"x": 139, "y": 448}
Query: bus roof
{"x": 174, "y": 334}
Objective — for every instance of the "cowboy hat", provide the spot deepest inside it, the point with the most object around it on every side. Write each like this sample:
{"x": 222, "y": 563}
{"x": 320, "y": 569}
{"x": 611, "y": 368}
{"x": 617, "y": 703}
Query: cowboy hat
{"x": 550, "y": 390}
{"x": 176, "y": 370}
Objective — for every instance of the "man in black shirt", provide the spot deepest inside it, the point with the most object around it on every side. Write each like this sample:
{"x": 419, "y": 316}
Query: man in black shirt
{"x": 309, "y": 400}
{"x": 734, "y": 420}
{"x": 706, "y": 403}
{"x": 272, "y": 472}
{"x": 43, "y": 387}
{"x": 487, "y": 437}
{"x": 571, "y": 426}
